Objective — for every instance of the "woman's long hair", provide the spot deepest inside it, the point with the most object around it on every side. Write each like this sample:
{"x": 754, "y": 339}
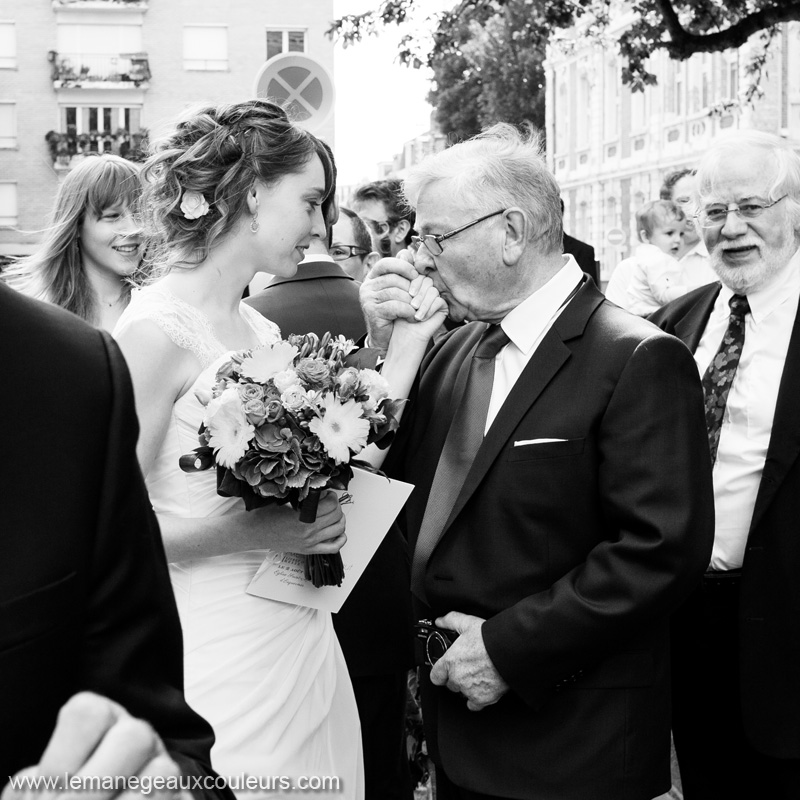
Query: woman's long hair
{"x": 55, "y": 272}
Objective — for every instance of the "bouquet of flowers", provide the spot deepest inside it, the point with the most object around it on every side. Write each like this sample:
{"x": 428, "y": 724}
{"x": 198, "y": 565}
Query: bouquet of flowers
{"x": 284, "y": 421}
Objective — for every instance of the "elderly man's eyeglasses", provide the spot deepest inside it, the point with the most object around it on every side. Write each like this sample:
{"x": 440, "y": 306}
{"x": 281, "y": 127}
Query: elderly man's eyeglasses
{"x": 715, "y": 216}
{"x": 433, "y": 242}
{"x": 341, "y": 252}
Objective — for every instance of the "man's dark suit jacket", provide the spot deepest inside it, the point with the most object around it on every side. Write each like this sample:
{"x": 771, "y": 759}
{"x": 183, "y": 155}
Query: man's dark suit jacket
{"x": 584, "y": 255}
{"x": 319, "y": 297}
{"x": 769, "y": 601}
{"x": 85, "y": 598}
{"x": 574, "y": 550}
{"x": 373, "y": 625}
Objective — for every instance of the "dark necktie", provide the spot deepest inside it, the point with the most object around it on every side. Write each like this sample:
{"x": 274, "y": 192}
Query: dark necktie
{"x": 460, "y": 447}
{"x": 718, "y": 378}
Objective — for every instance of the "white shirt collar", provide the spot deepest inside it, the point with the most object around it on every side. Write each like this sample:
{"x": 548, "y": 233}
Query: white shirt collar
{"x": 525, "y": 323}
{"x": 783, "y": 285}
{"x": 316, "y": 257}
{"x": 699, "y": 249}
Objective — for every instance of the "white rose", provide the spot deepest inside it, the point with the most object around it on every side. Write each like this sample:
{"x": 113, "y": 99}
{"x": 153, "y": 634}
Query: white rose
{"x": 194, "y": 205}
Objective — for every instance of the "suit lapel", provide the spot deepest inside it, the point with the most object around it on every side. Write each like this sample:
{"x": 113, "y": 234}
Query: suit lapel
{"x": 689, "y": 329}
{"x": 550, "y": 355}
{"x": 784, "y": 441}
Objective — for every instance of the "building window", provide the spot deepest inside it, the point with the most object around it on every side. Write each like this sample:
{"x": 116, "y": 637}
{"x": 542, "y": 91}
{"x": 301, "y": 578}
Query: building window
{"x": 8, "y": 124}
{"x": 639, "y": 110}
{"x": 285, "y": 41}
{"x": 561, "y": 117}
{"x": 8, "y": 46}
{"x": 205, "y": 47}
{"x": 611, "y": 100}
{"x": 101, "y": 119}
{"x": 8, "y": 204}
{"x": 584, "y": 109}
{"x": 731, "y": 79}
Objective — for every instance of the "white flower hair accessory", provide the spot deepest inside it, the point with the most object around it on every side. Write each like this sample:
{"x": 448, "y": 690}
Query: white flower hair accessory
{"x": 194, "y": 205}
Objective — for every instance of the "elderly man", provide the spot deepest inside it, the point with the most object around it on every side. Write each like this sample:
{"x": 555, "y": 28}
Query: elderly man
{"x": 563, "y": 503}
{"x": 737, "y": 639}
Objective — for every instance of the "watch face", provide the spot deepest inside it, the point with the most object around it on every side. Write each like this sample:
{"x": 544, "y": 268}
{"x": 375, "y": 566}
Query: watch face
{"x": 435, "y": 647}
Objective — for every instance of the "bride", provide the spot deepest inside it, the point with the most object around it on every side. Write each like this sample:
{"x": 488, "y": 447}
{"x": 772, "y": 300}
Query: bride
{"x": 232, "y": 191}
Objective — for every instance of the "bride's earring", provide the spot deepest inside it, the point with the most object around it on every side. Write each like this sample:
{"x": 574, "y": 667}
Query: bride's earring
{"x": 254, "y": 226}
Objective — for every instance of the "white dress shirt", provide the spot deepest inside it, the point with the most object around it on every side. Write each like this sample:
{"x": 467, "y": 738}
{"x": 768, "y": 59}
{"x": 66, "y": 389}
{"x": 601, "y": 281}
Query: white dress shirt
{"x": 747, "y": 422}
{"x": 696, "y": 267}
{"x": 526, "y": 326}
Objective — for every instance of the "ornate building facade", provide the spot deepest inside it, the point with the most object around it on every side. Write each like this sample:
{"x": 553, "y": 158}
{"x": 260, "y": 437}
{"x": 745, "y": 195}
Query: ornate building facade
{"x": 610, "y": 148}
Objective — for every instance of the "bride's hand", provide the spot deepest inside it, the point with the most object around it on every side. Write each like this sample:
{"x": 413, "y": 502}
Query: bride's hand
{"x": 279, "y": 528}
{"x": 430, "y": 313}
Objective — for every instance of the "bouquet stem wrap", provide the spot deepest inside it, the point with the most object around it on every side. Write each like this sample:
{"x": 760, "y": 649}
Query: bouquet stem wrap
{"x": 323, "y": 569}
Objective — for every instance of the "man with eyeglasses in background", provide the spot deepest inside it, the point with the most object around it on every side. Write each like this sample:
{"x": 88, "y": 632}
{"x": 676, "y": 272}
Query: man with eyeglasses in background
{"x": 562, "y": 504}
{"x": 736, "y": 641}
{"x": 351, "y": 245}
{"x": 390, "y": 219}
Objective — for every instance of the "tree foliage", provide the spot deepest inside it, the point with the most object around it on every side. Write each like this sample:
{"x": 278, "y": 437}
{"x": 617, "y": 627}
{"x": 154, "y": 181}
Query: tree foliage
{"x": 488, "y": 68}
{"x": 680, "y": 27}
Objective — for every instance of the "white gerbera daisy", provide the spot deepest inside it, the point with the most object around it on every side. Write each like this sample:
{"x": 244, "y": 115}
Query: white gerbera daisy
{"x": 267, "y": 361}
{"x": 230, "y": 432}
{"x": 341, "y": 428}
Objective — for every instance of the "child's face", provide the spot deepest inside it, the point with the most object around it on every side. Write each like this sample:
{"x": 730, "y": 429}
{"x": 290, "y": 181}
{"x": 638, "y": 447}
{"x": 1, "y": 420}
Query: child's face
{"x": 667, "y": 237}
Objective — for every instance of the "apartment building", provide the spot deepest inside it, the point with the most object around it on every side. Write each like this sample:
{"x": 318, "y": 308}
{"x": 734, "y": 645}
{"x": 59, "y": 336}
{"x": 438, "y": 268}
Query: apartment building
{"x": 79, "y": 76}
{"x": 610, "y": 148}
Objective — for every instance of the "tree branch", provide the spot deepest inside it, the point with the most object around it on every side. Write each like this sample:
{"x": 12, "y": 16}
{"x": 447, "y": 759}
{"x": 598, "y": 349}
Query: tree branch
{"x": 683, "y": 43}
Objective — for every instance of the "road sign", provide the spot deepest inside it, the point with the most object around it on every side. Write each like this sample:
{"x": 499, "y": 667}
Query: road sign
{"x": 300, "y": 84}
{"x": 616, "y": 237}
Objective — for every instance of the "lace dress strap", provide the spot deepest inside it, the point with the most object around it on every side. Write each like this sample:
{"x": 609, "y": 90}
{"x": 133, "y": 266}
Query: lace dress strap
{"x": 266, "y": 330}
{"x": 187, "y": 326}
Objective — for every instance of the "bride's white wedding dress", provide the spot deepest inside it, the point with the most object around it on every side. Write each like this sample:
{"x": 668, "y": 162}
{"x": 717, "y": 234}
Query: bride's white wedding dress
{"x": 269, "y": 677}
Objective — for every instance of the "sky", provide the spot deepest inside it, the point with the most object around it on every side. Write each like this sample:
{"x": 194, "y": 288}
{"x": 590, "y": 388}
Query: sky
{"x": 380, "y": 104}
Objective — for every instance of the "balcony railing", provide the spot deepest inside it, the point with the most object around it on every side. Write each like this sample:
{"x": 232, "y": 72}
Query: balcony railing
{"x": 65, "y": 147}
{"x": 73, "y": 70}
{"x": 102, "y": 4}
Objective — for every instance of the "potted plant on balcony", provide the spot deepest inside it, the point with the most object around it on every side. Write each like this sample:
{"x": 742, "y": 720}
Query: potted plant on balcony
{"x": 138, "y": 145}
{"x": 52, "y": 138}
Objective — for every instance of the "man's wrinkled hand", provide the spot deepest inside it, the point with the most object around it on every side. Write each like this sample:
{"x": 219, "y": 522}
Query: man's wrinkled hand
{"x": 386, "y": 295}
{"x": 466, "y": 666}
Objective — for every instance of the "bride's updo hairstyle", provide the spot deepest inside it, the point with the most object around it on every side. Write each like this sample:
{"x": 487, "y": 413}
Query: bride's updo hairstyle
{"x": 197, "y": 179}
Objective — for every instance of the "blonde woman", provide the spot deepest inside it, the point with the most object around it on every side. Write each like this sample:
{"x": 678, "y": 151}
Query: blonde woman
{"x": 92, "y": 246}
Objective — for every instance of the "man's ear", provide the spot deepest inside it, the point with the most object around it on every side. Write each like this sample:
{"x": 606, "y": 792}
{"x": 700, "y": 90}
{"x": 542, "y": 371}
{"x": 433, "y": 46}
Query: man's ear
{"x": 515, "y": 235}
{"x": 369, "y": 262}
{"x": 400, "y": 231}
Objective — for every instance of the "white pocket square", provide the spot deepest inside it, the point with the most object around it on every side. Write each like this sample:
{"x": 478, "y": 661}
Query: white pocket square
{"x": 536, "y": 441}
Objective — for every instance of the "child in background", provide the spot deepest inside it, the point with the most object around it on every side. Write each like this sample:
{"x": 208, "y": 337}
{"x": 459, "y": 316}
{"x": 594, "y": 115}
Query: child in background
{"x": 655, "y": 274}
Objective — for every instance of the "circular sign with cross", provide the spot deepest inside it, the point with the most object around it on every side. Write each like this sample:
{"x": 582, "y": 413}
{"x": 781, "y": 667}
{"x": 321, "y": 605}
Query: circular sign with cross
{"x": 300, "y": 84}
{"x": 616, "y": 237}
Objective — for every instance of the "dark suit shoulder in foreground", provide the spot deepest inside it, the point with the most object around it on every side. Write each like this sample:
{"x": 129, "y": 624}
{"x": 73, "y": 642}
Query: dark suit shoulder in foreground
{"x": 85, "y": 598}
